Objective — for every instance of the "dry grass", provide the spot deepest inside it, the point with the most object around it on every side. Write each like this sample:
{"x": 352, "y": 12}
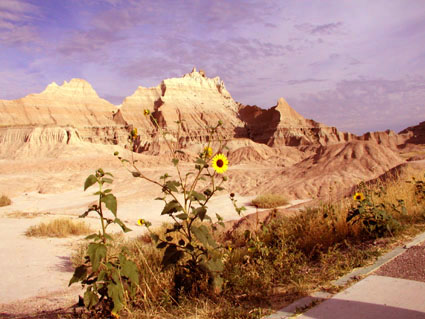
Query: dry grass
{"x": 269, "y": 201}
{"x": 61, "y": 227}
{"x": 5, "y": 201}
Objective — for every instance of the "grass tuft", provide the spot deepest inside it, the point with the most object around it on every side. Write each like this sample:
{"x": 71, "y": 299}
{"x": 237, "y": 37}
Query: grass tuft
{"x": 5, "y": 201}
{"x": 61, "y": 227}
{"x": 269, "y": 201}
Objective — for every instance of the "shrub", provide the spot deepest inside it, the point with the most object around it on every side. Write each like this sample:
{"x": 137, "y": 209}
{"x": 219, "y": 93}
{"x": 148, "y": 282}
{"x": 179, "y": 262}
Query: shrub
{"x": 269, "y": 201}
{"x": 61, "y": 227}
{"x": 5, "y": 201}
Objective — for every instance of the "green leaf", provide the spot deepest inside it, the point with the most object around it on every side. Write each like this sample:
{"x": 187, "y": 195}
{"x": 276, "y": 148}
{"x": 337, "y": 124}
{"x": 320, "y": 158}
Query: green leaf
{"x": 108, "y": 237}
{"x": 219, "y": 188}
{"x": 200, "y": 212}
{"x": 175, "y": 161}
{"x": 107, "y": 180}
{"x": 115, "y": 292}
{"x": 171, "y": 256}
{"x": 92, "y": 236}
{"x": 90, "y": 298}
{"x": 111, "y": 203}
{"x": 171, "y": 207}
{"x": 197, "y": 196}
{"x": 172, "y": 185}
{"x": 122, "y": 225}
{"x": 207, "y": 192}
{"x": 182, "y": 216}
{"x": 80, "y": 274}
{"x": 203, "y": 235}
{"x": 90, "y": 181}
{"x": 165, "y": 176}
{"x": 96, "y": 252}
{"x": 200, "y": 161}
{"x": 129, "y": 270}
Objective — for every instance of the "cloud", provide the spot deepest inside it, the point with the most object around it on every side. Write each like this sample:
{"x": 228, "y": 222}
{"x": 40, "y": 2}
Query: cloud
{"x": 296, "y": 82}
{"x": 321, "y": 29}
{"x": 336, "y": 60}
{"x": 364, "y": 104}
{"x": 92, "y": 45}
{"x": 17, "y": 20}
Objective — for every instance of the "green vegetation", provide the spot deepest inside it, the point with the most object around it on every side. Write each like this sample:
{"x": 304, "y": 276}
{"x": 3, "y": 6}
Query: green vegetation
{"x": 61, "y": 227}
{"x": 185, "y": 269}
{"x": 5, "y": 201}
{"x": 282, "y": 260}
{"x": 269, "y": 201}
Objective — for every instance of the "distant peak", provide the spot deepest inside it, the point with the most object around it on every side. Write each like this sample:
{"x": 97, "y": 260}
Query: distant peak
{"x": 75, "y": 82}
{"x": 75, "y": 87}
{"x": 288, "y": 114}
{"x": 196, "y": 74}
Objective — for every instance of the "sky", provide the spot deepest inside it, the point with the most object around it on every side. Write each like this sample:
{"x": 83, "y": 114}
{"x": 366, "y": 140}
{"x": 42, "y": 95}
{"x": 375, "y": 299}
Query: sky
{"x": 358, "y": 65}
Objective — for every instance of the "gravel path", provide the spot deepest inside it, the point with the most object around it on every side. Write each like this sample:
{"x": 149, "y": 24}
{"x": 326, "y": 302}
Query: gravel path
{"x": 409, "y": 265}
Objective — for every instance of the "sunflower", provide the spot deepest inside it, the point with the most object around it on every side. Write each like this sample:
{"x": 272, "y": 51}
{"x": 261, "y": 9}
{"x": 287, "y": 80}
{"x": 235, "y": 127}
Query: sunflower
{"x": 358, "y": 196}
{"x": 141, "y": 222}
{"x": 207, "y": 151}
{"x": 146, "y": 112}
{"x": 220, "y": 163}
{"x": 134, "y": 133}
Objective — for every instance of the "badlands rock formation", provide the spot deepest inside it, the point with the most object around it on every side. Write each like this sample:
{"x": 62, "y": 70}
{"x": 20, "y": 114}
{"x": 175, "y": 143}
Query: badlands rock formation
{"x": 282, "y": 125}
{"x": 72, "y": 111}
{"x": 194, "y": 100}
{"x": 282, "y": 149}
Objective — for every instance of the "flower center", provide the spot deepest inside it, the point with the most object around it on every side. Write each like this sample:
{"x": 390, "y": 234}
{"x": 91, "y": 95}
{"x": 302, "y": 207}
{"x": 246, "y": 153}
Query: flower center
{"x": 358, "y": 197}
{"x": 219, "y": 163}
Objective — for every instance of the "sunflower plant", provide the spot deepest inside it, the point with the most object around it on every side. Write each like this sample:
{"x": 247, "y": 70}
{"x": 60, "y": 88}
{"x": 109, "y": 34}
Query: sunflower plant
{"x": 109, "y": 280}
{"x": 375, "y": 217}
{"x": 188, "y": 244}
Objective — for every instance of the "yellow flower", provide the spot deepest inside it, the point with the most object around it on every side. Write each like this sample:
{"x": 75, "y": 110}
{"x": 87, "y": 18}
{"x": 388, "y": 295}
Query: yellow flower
{"x": 358, "y": 196}
{"x": 146, "y": 112}
{"x": 141, "y": 222}
{"x": 114, "y": 314}
{"x": 220, "y": 163}
{"x": 207, "y": 151}
{"x": 134, "y": 133}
